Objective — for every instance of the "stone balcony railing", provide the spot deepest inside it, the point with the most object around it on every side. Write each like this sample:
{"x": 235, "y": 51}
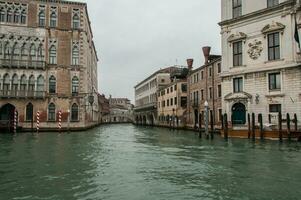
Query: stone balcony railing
{"x": 145, "y": 106}
{"x": 22, "y": 94}
{"x": 24, "y": 64}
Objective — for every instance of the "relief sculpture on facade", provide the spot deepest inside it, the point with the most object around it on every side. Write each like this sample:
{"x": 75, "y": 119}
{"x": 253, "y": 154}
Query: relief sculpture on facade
{"x": 255, "y": 49}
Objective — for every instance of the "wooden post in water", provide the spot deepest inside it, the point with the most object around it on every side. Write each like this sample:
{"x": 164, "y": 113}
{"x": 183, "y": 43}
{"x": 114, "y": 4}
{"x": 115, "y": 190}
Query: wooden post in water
{"x": 261, "y": 126}
{"x": 226, "y": 127}
{"x": 280, "y": 126}
{"x": 253, "y": 127}
{"x": 212, "y": 125}
{"x": 222, "y": 120}
{"x": 288, "y": 125}
{"x": 249, "y": 126}
{"x": 296, "y": 122}
{"x": 200, "y": 126}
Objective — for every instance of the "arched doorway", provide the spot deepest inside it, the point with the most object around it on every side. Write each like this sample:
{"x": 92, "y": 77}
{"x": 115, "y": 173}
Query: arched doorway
{"x": 7, "y": 115}
{"x": 239, "y": 114}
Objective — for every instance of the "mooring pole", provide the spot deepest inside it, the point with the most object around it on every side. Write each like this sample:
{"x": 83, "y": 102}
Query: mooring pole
{"x": 38, "y": 121}
{"x": 200, "y": 125}
{"x": 288, "y": 124}
{"x": 296, "y": 122}
{"x": 212, "y": 125}
{"x": 253, "y": 127}
{"x": 261, "y": 126}
{"x": 226, "y": 126}
{"x": 207, "y": 119}
{"x": 280, "y": 126}
{"x": 249, "y": 126}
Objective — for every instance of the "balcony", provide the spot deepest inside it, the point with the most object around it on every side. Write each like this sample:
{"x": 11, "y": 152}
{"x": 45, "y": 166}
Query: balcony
{"x": 22, "y": 64}
{"x": 22, "y": 94}
{"x": 145, "y": 107}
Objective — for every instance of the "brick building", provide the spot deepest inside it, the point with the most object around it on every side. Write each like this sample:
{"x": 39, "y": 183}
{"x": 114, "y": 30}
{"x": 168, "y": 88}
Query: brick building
{"x": 48, "y": 63}
{"x": 204, "y": 84}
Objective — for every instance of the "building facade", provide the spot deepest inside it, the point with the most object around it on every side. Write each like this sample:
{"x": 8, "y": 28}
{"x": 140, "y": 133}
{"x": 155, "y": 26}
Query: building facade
{"x": 121, "y": 111}
{"x": 260, "y": 58}
{"x": 104, "y": 106}
{"x": 204, "y": 84}
{"x": 172, "y": 104}
{"x": 48, "y": 63}
{"x": 146, "y": 96}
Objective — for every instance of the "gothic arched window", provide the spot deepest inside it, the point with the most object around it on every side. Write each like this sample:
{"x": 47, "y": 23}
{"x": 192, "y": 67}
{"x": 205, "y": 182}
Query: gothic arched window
{"x": 52, "y": 85}
{"x": 53, "y": 19}
{"x": 16, "y": 16}
{"x": 23, "y": 17}
{"x": 31, "y": 86}
{"x": 74, "y": 112}
{"x": 75, "y": 21}
{"x": 2, "y": 15}
{"x": 33, "y": 52}
{"x": 75, "y": 85}
{"x": 6, "y": 84}
{"x": 52, "y": 55}
{"x": 51, "y": 112}
{"x": 15, "y": 84}
{"x": 42, "y": 18}
{"x": 75, "y": 55}
{"x": 9, "y": 16}
{"x": 23, "y": 84}
{"x": 40, "y": 86}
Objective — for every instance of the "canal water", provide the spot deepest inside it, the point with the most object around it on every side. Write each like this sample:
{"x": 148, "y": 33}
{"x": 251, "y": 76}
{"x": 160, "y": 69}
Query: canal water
{"x": 126, "y": 162}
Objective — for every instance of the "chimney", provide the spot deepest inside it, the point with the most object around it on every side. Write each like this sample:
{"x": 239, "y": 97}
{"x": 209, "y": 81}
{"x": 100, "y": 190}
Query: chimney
{"x": 206, "y": 51}
{"x": 189, "y": 63}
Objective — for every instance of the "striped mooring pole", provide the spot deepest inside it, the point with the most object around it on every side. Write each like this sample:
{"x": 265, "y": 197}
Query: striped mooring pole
{"x": 15, "y": 121}
{"x": 38, "y": 121}
{"x": 60, "y": 121}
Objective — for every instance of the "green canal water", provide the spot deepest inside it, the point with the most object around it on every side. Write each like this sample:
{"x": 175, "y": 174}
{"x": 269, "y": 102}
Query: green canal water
{"x": 136, "y": 163}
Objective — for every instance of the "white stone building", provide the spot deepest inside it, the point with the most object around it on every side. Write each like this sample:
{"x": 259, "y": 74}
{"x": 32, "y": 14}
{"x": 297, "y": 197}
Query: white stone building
{"x": 260, "y": 58}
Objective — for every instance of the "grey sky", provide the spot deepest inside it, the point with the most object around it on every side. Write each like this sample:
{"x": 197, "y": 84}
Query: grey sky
{"x": 136, "y": 37}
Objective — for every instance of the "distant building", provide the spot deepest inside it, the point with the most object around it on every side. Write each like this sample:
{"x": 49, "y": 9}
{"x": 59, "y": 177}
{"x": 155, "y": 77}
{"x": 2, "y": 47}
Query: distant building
{"x": 172, "y": 104}
{"x": 146, "y": 96}
{"x": 48, "y": 63}
{"x": 204, "y": 84}
{"x": 260, "y": 58}
{"x": 104, "y": 106}
{"x": 121, "y": 111}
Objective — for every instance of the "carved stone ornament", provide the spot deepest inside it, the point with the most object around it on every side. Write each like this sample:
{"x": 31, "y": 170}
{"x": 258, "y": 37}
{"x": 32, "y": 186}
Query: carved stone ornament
{"x": 274, "y": 26}
{"x": 255, "y": 49}
{"x": 237, "y": 36}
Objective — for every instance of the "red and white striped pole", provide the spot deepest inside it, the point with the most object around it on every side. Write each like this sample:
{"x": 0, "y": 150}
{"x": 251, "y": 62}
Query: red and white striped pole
{"x": 15, "y": 121}
{"x": 38, "y": 121}
{"x": 60, "y": 121}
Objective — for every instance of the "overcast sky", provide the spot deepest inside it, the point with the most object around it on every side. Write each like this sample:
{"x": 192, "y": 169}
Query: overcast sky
{"x": 134, "y": 38}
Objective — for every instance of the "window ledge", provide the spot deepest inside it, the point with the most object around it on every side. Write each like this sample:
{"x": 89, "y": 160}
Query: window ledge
{"x": 240, "y": 66}
{"x": 276, "y": 94}
{"x": 272, "y": 61}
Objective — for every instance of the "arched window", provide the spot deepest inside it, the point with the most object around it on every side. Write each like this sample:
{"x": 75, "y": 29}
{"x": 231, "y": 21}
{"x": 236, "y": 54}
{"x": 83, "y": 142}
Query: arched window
{"x": 52, "y": 85}
{"x": 9, "y": 16}
{"x": 31, "y": 86}
{"x": 6, "y": 84}
{"x": 24, "y": 52}
{"x": 42, "y": 18}
{"x": 53, "y": 19}
{"x": 51, "y": 112}
{"x": 75, "y": 55}
{"x": 23, "y": 17}
{"x": 23, "y": 84}
{"x": 52, "y": 55}
{"x": 75, "y": 85}
{"x": 74, "y": 112}
{"x": 16, "y": 16}
{"x": 29, "y": 112}
{"x": 33, "y": 52}
{"x": 7, "y": 51}
{"x": 2, "y": 15}
{"x": 40, "y": 53}
{"x": 76, "y": 21}
{"x": 15, "y": 84}
{"x": 16, "y": 52}
{"x": 40, "y": 86}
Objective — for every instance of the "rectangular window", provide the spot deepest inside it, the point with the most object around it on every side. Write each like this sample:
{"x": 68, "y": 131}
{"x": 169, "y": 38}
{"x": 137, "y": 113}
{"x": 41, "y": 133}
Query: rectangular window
{"x": 275, "y": 108}
{"x": 183, "y": 102}
{"x": 220, "y": 113}
{"x": 176, "y": 100}
{"x": 171, "y": 102}
{"x": 272, "y": 3}
{"x": 219, "y": 68}
{"x": 176, "y": 88}
{"x": 210, "y": 72}
{"x": 274, "y": 81}
{"x": 163, "y": 104}
{"x": 274, "y": 46}
{"x": 202, "y": 75}
{"x": 184, "y": 87}
{"x": 167, "y": 91}
{"x": 219, "y": 90}
{"x": 237, "y": 53}
{"x": 167, "y": 102}
{"x": 171, "y": 89}
{"x": 236, "y": 8}
{"x": 237, "y": 85}
{"x": 202, "y": 95}
{"x": 210, "y": 93}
